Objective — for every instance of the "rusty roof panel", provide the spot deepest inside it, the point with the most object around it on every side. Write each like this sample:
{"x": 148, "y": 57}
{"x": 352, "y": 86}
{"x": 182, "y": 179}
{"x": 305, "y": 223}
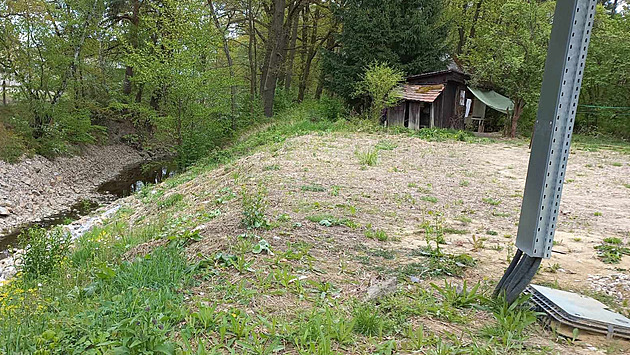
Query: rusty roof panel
{"x": 422, "y": 93}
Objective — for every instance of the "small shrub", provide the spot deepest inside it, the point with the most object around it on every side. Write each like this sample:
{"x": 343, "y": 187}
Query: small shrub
{"x": 11, "y": 145}
{"x": 254, "y": 208}
{"x": 331, "y": 109}
{"x": 597, "y": 214}
{"x": 380, "y": 82}
{"x": 43, "y": 251}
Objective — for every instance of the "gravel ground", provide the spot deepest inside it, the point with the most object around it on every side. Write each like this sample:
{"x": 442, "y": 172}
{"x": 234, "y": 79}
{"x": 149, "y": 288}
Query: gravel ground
{"x": 37, "y": 187}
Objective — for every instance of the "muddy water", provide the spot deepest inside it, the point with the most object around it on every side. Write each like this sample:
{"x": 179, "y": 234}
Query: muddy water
{"x": 127, "y": 182}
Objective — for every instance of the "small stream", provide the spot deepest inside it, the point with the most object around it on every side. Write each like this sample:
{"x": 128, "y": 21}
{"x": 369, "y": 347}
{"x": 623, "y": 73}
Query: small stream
{"x": 127, "y": 182}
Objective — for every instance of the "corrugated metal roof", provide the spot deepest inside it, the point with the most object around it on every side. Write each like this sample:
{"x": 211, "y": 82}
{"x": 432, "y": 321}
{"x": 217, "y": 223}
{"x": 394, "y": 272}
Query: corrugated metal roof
{"x": 422, "y": 93}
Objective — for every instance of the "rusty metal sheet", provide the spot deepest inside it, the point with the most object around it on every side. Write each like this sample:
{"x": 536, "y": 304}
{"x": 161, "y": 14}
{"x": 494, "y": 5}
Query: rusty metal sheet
{"x": 422, "y": 93}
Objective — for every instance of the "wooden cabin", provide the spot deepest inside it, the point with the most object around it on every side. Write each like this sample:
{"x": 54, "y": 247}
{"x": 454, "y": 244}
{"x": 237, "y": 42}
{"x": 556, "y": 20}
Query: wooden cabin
{"x": 435, "y": 99}
{"x": 442, "y": 99}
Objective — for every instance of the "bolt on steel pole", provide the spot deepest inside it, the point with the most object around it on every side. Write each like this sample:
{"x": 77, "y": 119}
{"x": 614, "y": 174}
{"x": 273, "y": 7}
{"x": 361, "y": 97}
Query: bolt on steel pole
{"x": 564, "y": 68}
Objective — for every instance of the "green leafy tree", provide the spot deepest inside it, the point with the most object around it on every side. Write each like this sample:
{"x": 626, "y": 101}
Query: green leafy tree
{"x": 407, "y": 35}
{"x": 380, "y": 82}
{"x": 605, "y": 95}
{"x": 509, "y": 50}
{"x": 191, "y": 97}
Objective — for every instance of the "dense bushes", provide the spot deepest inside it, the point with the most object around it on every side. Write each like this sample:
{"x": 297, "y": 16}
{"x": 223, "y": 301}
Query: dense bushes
{"x": 43, "y": 251}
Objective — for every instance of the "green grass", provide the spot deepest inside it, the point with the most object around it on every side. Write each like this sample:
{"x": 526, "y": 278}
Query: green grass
{"x": 99, "y": 298}
{"x": 377, "y": 234}
{"x": 491, "y": 201}
{"x": 454, "y": 231}
{"x": 436, "y": 263}
{"x": 431, "y": 199}
{"x": 613, "y": 240}
{"x": 100, "y": 304}
{"x": 385, "y": 144}
{"x": 330, "y": 220}
{"x": 612, "y": 250}
{"x": 272, "y": 167}
{"x": 313, "y": 188}
{"x": 367, "y": 157}
{"x": 170, "y": 201}
{"x": 596, "y": 143}
{"x": 463, "y": 219}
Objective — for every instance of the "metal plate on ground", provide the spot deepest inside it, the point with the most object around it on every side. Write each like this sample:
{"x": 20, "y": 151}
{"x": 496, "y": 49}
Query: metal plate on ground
{"x": 579, "y": 311}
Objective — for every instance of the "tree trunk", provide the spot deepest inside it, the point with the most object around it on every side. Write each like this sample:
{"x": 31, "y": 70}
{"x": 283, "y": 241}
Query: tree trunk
{"x": 276, "y": 43}
{"x": 251, "y": 51}
{"x": 460, "y": 32}
{"x": 309, "y": 58}
{"x": 518, "y": 110}
{"x": 330, "y": 45}
{"x": 475, "y": 19}
{"x": 127, "y": 80}
{"x": 139, "y": 93}
{"x": 291, "y": 55}
{"x": 75, "y": 57}
{"x": 4, "y": 92}
{"x": 228, "y": 57}
{"x": 269, "y": 44}
{"x": 135, "y": 21}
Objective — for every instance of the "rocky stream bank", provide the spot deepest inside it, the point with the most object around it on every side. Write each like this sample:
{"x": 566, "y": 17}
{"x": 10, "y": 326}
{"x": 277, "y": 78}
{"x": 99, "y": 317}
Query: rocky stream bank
{"x": 36, "y": 187}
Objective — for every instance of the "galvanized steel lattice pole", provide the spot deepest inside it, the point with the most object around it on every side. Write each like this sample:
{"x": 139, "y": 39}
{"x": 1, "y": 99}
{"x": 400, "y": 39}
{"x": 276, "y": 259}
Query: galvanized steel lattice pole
{"x": 564, "y": 68}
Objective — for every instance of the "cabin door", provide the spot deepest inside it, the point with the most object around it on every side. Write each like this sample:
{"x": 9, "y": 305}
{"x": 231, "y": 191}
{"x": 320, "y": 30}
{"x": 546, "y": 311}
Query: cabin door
{"x": 414, "y": 114}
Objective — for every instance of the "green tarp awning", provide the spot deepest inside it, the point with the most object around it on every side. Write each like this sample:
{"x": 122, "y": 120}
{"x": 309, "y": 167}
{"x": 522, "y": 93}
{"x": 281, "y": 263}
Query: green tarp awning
{"x": 493, "y": 99}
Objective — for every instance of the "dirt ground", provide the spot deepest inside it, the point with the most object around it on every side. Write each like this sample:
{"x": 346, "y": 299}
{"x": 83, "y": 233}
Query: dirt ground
{"x": 471, "y": 190}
